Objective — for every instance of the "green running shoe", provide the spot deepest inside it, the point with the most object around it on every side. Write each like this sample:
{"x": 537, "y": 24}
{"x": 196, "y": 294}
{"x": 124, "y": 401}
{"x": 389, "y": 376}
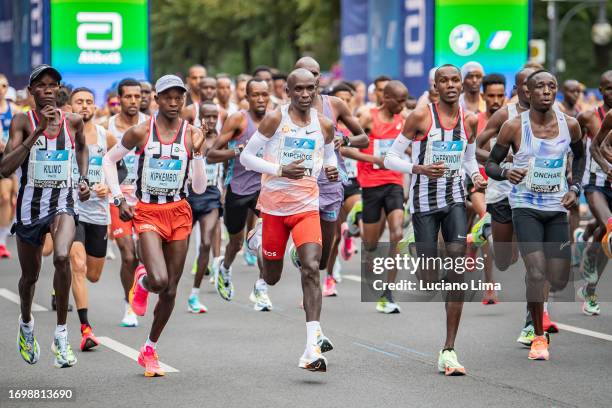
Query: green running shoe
{"x": 352, "y": 218}
{"x": 478, "y": 230}
{"x": 387, "y": 306}
{"x": 27, "y": 345}
{"x": 64, "y": 356}
{"x": 590, "y": 306}
{"x": 527, "y": 336}
{"x": 403, "y": 247}
{"x": 223, "y": 285}
{"x": 449, "y": 364}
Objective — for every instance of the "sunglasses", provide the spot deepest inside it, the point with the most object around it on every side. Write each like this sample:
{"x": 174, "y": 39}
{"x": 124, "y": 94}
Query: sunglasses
{"x": 114, "y": 104}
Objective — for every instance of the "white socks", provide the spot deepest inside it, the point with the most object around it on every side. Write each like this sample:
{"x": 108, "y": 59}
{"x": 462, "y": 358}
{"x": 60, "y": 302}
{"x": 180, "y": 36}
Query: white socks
{"x": 195, "y": 291}
{"x": 27, "y": 327}
{"x": 61, "y": 331}
{"x": 149, "y": 343}
{"x": 312, "y": 330}
{"x": 226, "y": 273}
{"x": 261, "y": 284}
{"x": 545, "y": 307}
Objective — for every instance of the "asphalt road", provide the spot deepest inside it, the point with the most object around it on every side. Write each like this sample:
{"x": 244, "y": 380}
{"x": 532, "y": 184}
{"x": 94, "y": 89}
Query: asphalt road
{"x": 236, "y": 357}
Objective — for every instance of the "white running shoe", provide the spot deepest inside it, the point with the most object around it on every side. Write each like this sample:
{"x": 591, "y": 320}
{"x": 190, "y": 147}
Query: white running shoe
{"x": 129, "y": 318}
{"x": 314, "y": 361}
{"x": 261, "y": 300}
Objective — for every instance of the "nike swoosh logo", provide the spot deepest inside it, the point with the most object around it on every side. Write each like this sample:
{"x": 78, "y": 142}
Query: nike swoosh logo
{"x": 307, "y": 132}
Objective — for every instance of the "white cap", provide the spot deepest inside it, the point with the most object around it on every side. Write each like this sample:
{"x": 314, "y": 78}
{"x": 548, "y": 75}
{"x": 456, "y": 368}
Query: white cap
{"x": 471, "y": 67}
{"x": 169, "y": 81}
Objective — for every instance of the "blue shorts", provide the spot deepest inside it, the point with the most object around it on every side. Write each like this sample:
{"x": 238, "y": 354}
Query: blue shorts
{"x": 202, "y": 204}
{"x": 34, "y": 233}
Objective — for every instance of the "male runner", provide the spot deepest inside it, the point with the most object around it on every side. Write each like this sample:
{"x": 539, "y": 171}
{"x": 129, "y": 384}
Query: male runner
{"x": 224, "y": 95}
{"x": 471, "y": 99}
{"x": 162, "y": 217}
{"x": 289, "y": 199}
{"x": 195, "y": 75}
{"x": 571, "y": 92}
{"x": 331, "y": 193}
{"x": 208, "y": 92}
{"x": 280, "y": 86}
{"x": 206, "y": 207}
{"x": 265, "y": 74}
{"x": 40, "y": 148}
{"x": 88, "y": 251}
{"x": 597, "y": 190}
{"x": 146, "y": 89}
{"x": 437, "y": 199}
{"x": 382, "y": 189}
{"x": 129, "y": 96}
{"x": 540, "y": 138}
{"x": 242, "y": 189}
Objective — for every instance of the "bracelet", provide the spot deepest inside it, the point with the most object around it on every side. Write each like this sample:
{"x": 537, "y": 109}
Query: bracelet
{"x": 575, "y": 188}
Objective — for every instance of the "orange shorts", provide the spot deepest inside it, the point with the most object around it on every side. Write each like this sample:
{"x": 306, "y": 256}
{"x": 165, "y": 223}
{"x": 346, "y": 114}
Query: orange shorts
{"x": 171, "y": 221}
{"x": 120, "y": 228}
{"x": 304, "y": 228}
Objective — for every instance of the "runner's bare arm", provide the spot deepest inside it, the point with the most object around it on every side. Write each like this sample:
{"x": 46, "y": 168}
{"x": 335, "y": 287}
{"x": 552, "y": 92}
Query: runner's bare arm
{"x": 483, "y": 140}
{"x": 198, "y": 178}
{"x": 359, "y": 139}
{"x": 266, "y": 130}
{"x": 232, "y": 127}
{"x": 188, "y": 113}
{"x": 505, "y": 140}
{"x": 596, "y": 151}
{"x": 111, "y": 140}
{"x": 330, "y": 161}
{"x": 356, "y": 154}
{"x": 80, "y": 145}
{"x": 470, "y": 164}
{"x": 570, "y": 199}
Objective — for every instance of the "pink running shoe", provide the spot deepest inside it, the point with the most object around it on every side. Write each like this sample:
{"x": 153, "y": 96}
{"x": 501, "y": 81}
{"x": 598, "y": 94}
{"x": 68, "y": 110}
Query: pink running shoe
{"x": 139, "y": 296}
{"x": 346, "y": 244}
{"x": 148, "y": 359}
{"x": 330, "y": 287}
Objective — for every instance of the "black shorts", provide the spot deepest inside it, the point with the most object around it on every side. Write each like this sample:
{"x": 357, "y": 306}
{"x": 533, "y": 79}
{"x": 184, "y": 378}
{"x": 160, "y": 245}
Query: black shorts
{"x": 351, "y": 189}
{"x": 388, "y": 197}
{"x": 93, "y": 237}
{"x": 34, "y": 234}
{"x": 237, "y": 209}
{"x": 546, "y": 231}
{"x": 202, "y": 204}
{"x": 451, "y": 220}
{"x": 606, "y": 192}
{"x": 501, "y": 212}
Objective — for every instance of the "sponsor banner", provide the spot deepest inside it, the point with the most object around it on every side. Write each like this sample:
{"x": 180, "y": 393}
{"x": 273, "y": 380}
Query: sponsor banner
{"x": 384, "y": 35}
{"x": 354, "y": 39}
{"x": 417, "y": 48}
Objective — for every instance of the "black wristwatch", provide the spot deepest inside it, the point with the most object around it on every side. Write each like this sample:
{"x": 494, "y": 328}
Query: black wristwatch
{"x": 117, "y": 200}
{"x": 346, "y": 140}
{"x": 83, "y": 179}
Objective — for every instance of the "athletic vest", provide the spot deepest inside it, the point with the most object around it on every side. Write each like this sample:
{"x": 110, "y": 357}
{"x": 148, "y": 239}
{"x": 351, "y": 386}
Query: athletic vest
{"x": 163, "y": 167}
{"x": 45, "y": 177}
{"x": 546, "y": 160}
{"x": 439, "y": 144}
{"x": 593, "y": 174}
{"x": 280, "y": 195}
{"x": 241, "y": 180}
{"x": 499, "y": 190}
{"x": 95, "y": 210}
{"x": 382, "y": 136}
{"x": 5, "y": 122}
{"x": 326, "y": 186}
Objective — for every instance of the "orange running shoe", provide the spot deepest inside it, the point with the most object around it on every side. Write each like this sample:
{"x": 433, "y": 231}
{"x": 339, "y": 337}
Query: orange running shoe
{"x": 88, "y": 340}
{"x": 139, "y": 296}
{"x": 539, "y": 349}
{"x": 489, "y": 298}
{"x": 149, "y": 359}
{"x": 606, "y": 241}
{"x": 549, "y": 326}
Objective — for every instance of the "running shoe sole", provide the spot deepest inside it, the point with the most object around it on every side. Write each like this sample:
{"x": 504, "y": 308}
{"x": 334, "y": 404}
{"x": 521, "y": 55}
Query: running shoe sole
{"x": 318, "y": 365}
{"x": 89, "y": 344}
{"x": 66, "y": 364}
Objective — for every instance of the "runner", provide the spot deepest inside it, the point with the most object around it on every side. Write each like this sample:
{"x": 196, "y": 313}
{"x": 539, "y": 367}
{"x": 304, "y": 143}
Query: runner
{"x": 195, "y": 75}
{"x": 280, "y": 87}
{"x": 122, "y": 230}
{"x": 331, "y": 193}
{"x": 571, "y": 93}
{"x": 382, "y": 189}
{"x": 242, "y": 188}
{"x": 206, "y": 207}
{"x": 162, "y": 217}
{"x": 265, "y": 74}
{"x": 146, "y": 90}
{"x": 471, "y": 99}
{"x": 208, "y": 92}
{"x": 88, "y": 251}
{"x": 437, "y": 197}
{"x": 289, "y": 199}
{"x": 224, "y": 95}
{"x": 40, "y": 147}
{"x": 541, "y": 139}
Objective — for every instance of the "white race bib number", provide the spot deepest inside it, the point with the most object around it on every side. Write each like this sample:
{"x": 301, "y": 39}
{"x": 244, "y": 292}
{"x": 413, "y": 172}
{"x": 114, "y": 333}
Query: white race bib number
{"x": 131, "y": 163}
{"x": 381, "y": 147}
{"x": 94, "y": 171}
{"x": 50, "y": 169}
{"x": 162, "y": 177}
{"x": 351, "y": 168}
{"x": 545, "y": 175}
{"x": 448, "y": 152}
{"x": 212, "y": 174}
{"x": 297, "y": 148}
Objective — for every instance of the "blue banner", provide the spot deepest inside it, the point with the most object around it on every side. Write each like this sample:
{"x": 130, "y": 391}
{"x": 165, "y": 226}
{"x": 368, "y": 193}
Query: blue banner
{"x": 354, "y": 39}
{"x": 418, "y": 46}
{"x": 384, "y": 35}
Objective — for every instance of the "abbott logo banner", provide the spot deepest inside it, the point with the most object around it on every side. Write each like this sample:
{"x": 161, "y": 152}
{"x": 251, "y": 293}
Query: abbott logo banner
{"x": 92, "y": 24}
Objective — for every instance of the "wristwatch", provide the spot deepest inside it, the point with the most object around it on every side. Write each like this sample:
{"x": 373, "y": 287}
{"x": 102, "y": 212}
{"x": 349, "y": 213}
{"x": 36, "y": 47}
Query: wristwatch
{"x": 117, "y": 200}
{"x": 83, "y": 179}
{"x": 575, "y": 188}
{"x": 346, "y": 140}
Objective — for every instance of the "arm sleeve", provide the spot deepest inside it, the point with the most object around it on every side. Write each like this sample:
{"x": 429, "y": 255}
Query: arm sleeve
{"x": 470, "y": 165}
{"x": 578, "y": 163}
{"x": 198, "y": 175}
{"x": 396, "y": 158}
{"x": 109, "y": 162}
{"x": 493, "y": 168}
{"x": 249, "y": 159}
{"x": 329, "y": 155}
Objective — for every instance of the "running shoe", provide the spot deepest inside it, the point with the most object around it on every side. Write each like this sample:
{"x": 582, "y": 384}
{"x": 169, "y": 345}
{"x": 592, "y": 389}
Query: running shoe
{"x": 54, "y": 302}
{"x": 527, "y": 335}
{"x": 403, "y": 247}
{"x": 589, "y": 269}
{"x": 249, "y": 258}
{"x": 549, "y": 326}
{"x": 406, "y": 221}
{"x": 259, "y": 297}
{"x": 352, "y": 219}
{"x": 606, "y": 241}
{"x": 337, "y": 271}
{"x": 149, "y": 359}
{"x": 387, "y": 306}
{"x": 314, "y": 362}
{"x": 579, "y": 246}
{"x": 295, "y": 259}
{"x": 64, "y": 356}
{"x": 590, "y": 306}
{"x": 139, "y": 296}
{"x": 223, "y": 284}
{"x": 27, "y": 345}
{"x": 4, "y": 252}
{"x": 539, "y": 349}
{"x": 481, "y": 230}
{"x": 323, "y": 342}
{"x": 88, "y": 340}
{"x": 346, "y": 243}
{"x": 194, "y": 306}
{"x": 329, "y": 288}
{"x": 129, "y": 318}
{"x": 449, "y": 364}
{"x": 253, "y": 238}
{"x": 490, "y": 298}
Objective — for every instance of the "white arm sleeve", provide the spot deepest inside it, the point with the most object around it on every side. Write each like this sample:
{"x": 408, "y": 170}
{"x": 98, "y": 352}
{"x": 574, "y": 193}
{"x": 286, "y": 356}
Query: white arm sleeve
{"x": 396, "y": 158}
{"x": 470, "y": 165}
{"x": 198, "y": 175}
{"x": 249, "y": 159}
{"x": 329, "y": 155}
{"x": 109, "y": 165}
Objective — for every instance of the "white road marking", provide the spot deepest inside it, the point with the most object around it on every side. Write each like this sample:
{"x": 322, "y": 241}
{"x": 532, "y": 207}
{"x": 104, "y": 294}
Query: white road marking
{"x": 584, "y": 332}
{"x": 354, "y": 278}
{"x": 13, "y": 297}
{"x": 130, "y": 352}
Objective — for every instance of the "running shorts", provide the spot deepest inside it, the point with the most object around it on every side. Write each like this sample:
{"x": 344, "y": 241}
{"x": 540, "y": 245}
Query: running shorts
{"x": 93, "y": 237}
{"x": 304, "y": 228}
{"x": 450, "y": 219}
{"x": 330, "y": 203}
{"x": 171, "y": 221}
{"x": 607, "y": 193}
{"x": 353, "y": 188}
{"x": 237, "y": 209}
{"x": 34, "y": 233}
{"x": 120, "y": 228}
{"x": 202, "y": 204}
{"x": 501, "y": 212}
{"x": 546, "y": 231}
{"x": 388, "y": 197}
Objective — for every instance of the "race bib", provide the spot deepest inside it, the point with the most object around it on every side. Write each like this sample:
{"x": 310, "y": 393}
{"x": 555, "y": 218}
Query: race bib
{"x": 50, "y": 169}
{"x": 163, "y": 177}
{"x": 297, "y": 148}
{"x": 131, "y": 163}
{"x": 212, "y": 174}
{"x": 545, "y": 175}
{"x": 94, "y": 171}
{"x": 449, "y": 152}
{"x": 381, "y": 147}
{"x": 351, "y": 168}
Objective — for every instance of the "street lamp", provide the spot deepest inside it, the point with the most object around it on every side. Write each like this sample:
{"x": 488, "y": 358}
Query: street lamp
{"x": 602, "y": 30}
